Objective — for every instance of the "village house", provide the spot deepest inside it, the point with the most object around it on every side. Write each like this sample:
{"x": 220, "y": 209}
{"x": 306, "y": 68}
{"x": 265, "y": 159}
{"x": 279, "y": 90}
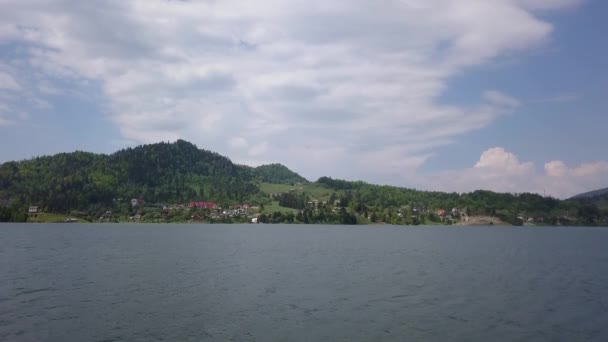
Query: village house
{"x": 313, "y": 203}
{"x": 441, "y": 212}
{"x": 241, "y": 206}
{"x": 33, "y": 210}
{"x": 239, "y": 210}
{"x": 203, "y": 205}
{"x": 233, "y": 212}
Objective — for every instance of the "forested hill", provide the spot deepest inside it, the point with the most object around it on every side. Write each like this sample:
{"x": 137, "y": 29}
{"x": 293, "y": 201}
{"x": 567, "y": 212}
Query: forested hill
{"x": 591, "y": 194}
{"x": 160, "y": 173}
{"x": 278, "y": 174}
{"x": 177, "y": 173}
{"x": 511, "y": 208}
{"x": 597, "y": 198}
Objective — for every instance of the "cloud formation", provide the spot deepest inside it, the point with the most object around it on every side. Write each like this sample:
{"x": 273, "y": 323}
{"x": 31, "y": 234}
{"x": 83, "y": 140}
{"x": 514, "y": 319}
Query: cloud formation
{"x": 500, "y": 170}
{"x": 333, "y": 87}
{"x": 7, "y": 82}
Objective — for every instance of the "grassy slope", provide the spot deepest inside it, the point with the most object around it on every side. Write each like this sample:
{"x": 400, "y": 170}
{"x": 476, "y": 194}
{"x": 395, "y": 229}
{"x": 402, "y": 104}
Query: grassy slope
{"x": 274, "y": 207}
{"x": 51, "y": 218}
{"x": 315, "y": 191}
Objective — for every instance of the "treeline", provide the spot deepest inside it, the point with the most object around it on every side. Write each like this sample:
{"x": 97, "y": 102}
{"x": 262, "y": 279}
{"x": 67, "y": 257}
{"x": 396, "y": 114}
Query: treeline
{"x": 509, "y": 207}
{"x": 292, "y": 200}
{"x": 277, "y": 174}
{"x": 309, "y": 216}
{"x": 12, "y": 214}
{"x": 159, "y": 173}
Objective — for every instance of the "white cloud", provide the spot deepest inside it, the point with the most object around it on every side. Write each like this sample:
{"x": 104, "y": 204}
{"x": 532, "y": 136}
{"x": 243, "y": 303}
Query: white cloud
{"x": 496, "y": 170}
{"x": 592, "y": 169}
{"x": 501, "y": 99}
{"x": 497, "y": 159}
{"x": 556, "y": 168}
{"x": 561, "y": 98}
{"x": 4, "y": 109}
{"x": 565, "y": 181}
{"x": 7, "y": 82}
{"x": 5, "y": 122}
{"x": 41, "y": 104}
{"x": 46, "y": 87}
{"x": 357, "y": 80}
{"x": 549, "y": 4}
{"x": 258, "y": 150}
{"x": 238, "y": 142}
{"x": 502, "y": 171}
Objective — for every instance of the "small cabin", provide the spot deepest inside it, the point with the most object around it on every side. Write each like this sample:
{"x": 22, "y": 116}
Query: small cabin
{"x": 33, "y": 210}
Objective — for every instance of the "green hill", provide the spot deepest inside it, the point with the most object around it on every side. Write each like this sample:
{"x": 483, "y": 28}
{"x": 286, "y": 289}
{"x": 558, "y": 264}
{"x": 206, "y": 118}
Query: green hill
{"x": 597, "y": 198}
{"x": 591, "y": 194}
{"x": 159, "y": 173}
{"x": 277, "y": 174}
{"x": 88, "y": 184}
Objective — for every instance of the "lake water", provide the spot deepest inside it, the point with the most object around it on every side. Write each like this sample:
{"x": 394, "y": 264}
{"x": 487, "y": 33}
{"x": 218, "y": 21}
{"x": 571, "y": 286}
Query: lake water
{"x": 302, "y": 283}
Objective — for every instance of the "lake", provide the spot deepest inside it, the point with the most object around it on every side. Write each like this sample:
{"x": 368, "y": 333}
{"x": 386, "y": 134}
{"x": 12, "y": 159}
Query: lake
{"x": 302, "y": 283}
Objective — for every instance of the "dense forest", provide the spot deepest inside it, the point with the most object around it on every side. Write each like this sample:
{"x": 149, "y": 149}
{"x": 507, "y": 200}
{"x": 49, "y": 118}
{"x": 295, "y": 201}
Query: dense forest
{"x": 171, "y": 173}
{"x": 596, "y": 194}
{"x": 277, "y": 173}
{"x": 159, "y": 173}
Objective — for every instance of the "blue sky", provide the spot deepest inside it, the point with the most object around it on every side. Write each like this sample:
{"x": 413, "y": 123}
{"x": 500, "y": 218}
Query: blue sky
{"x": 562, "y": 84}
{"x": 507, "y": 95}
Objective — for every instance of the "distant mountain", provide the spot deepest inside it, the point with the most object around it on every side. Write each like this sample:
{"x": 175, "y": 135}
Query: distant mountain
{"x": 591, "y": 194}
{"x": 277, "y": 173}
{"x": 596, "y": 198}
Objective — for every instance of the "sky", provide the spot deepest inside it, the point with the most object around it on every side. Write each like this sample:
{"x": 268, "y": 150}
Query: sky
{"x": 502, "y": 95}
